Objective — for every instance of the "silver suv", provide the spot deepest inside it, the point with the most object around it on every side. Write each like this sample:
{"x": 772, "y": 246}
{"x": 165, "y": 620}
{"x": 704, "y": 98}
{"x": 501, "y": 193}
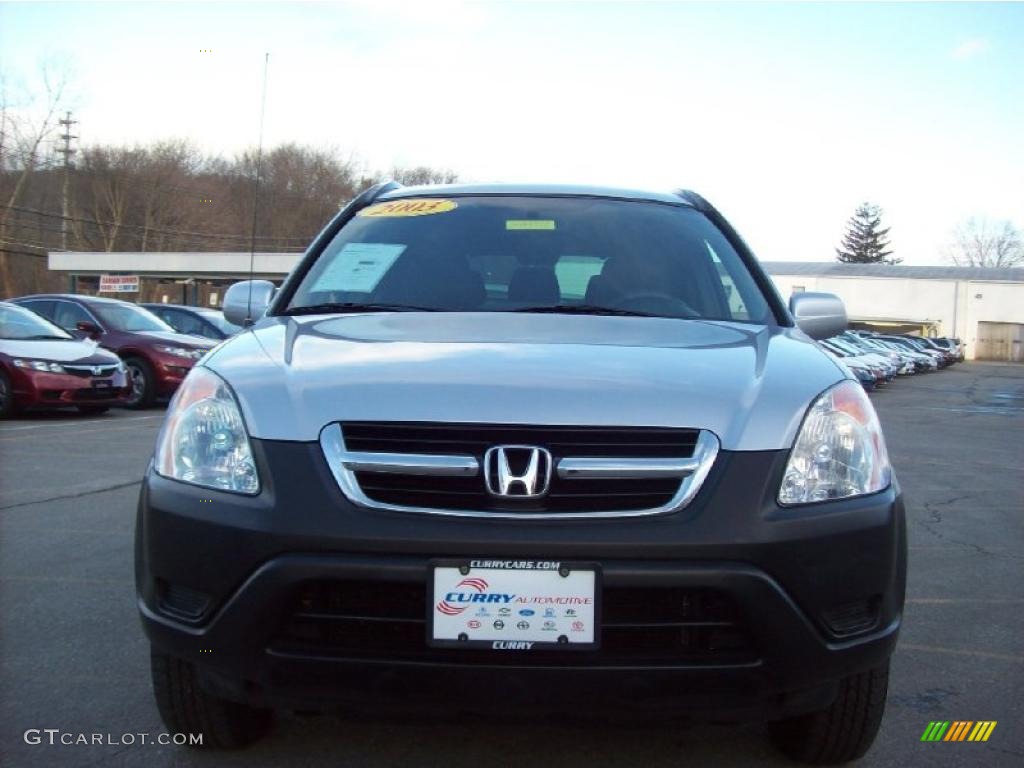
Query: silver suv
{"x": 524, "y": 448}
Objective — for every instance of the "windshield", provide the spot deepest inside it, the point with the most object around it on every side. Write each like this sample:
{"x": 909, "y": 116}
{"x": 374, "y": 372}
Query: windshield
{"x": 221, "y": 324}
{"x": 128, "y": 317}
{"x": 19, "y": 323}
{"x": 537, "y": 254}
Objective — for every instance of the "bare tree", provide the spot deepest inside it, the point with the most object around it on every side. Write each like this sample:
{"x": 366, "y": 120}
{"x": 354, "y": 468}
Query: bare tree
{"x": 23, "y": 136}
{"x": 979, "y": 242}
{"x": 423, "y": 174}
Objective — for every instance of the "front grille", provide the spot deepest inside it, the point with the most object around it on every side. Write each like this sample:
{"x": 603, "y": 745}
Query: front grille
{"x": 639, "y": 626}
{"x": 86, "y": 371}
{"x": 564, "y": 495}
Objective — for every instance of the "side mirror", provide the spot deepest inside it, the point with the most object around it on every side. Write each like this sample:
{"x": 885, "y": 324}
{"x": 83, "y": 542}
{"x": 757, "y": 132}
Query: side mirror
{"x": 819, "y": 315}
{"x": 90, "y": 329}
{"x": 237, "y": 307}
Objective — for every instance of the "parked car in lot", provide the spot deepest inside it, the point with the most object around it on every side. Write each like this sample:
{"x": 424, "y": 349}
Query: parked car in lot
{"x": 195, "y": 321}
{"x": 952, "y": 345}
{"x": 527, "y": 448}
{"x": 157, "y": 358}
{"x": 42, "y": 366}
{"x": 914, "y": 343}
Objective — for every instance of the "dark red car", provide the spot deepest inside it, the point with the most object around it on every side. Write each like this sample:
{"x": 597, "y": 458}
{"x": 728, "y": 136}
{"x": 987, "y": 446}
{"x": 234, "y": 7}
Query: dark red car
{"x": 42, "y": 366}
{"x": 156, "y": 356}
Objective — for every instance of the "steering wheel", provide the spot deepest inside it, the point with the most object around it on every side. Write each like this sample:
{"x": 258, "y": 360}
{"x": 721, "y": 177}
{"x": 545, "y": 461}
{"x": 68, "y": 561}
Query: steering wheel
{"x": 654, "y": 302}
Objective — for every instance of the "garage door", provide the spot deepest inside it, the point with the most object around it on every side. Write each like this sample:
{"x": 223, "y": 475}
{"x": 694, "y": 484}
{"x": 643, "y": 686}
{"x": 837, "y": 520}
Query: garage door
{"x": 1000, "y": 341}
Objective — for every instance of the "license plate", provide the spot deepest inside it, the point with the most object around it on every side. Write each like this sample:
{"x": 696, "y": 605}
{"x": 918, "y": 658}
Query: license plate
{"x": 101, "y": 384}
{"x": 514, "y": 605}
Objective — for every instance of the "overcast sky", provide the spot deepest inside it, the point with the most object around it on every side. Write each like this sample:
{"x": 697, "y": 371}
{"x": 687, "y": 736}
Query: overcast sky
{"x": 784, "y": 116}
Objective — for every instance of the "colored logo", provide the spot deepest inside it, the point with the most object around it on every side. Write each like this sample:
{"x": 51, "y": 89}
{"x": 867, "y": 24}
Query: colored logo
{"x": 577, "y": 626}
{"x": 473, "y": 624}
{"x": 448, "y": 609}
{"x": 570, "y": 612}
{"x": 959, "y": 730}
{"x": 527, "y": 612}
{"x": 499, "y": 624}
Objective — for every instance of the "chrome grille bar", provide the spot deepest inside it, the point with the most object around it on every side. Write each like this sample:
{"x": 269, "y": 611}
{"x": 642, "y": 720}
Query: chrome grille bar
{"x": 412, "y": 464}
{"x": 625, "y": 469}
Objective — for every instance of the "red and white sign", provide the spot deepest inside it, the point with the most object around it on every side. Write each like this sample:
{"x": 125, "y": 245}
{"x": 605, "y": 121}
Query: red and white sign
{"x": 119, "y": 283}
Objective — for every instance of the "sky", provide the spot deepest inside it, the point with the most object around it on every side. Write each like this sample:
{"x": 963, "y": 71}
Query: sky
{"x": 785, "y": 116}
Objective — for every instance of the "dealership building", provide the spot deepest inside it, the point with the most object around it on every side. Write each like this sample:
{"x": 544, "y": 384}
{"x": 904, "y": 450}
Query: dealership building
{"x": 982, "y": 307}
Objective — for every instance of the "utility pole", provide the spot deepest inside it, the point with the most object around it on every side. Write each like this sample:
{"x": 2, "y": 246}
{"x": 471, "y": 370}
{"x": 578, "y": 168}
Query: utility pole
{"x": 67, "y": 151}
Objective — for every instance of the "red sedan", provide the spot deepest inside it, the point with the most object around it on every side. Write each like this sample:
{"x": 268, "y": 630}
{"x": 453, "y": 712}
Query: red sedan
{"x": 41, "y": 366}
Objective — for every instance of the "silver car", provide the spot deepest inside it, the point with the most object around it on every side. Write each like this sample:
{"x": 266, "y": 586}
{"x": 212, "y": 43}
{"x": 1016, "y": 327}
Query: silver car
{"x": 524, "y": 448}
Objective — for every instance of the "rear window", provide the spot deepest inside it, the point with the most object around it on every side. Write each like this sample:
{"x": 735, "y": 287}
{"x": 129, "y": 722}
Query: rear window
{"x": 509, "y": 253}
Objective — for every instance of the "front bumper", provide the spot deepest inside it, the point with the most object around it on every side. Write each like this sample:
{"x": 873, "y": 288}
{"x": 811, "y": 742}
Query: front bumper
{"x": 37, "y": 389}
{"x": 240, "y": 561}
{"x": 170, "y": 371}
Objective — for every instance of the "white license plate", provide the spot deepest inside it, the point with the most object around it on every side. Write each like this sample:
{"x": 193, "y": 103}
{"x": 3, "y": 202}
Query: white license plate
{"x": 514, "y": 605}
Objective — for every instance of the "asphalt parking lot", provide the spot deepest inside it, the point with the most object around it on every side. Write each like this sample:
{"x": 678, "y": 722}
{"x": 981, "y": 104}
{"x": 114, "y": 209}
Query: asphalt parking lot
{"x": 73, "y": 657}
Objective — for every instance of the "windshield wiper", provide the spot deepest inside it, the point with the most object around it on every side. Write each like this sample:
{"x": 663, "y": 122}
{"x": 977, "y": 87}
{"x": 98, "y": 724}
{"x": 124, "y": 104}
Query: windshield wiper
{"x": 44, "y": 336}
{"x": 584, "y": 309}
{"x": 352, "y": 306}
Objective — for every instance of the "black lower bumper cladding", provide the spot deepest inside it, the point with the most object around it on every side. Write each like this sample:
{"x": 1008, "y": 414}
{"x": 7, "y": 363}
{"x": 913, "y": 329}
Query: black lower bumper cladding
{"x": 732, "y": 608}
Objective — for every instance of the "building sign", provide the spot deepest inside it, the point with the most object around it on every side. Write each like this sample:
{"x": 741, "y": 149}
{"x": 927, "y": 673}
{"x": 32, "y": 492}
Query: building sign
{"x": 119, "y": 283}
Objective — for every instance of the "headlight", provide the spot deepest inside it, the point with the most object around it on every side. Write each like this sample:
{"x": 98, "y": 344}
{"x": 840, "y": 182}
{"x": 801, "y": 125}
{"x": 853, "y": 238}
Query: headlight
{"x": 839, "y": 451}
{"x": 191, "y": 354}
{"x": 203, "y": 440}
{"x": 40, "y": 365}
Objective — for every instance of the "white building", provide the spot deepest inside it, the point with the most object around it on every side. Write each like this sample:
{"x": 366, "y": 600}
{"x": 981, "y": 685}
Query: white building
{"x": 982, "y": 307}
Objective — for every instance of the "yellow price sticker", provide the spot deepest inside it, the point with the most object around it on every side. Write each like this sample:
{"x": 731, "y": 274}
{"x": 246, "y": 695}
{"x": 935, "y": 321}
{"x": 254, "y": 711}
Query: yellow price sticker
{"x": 529, "y": 224}
{"x": 399, "y": 208}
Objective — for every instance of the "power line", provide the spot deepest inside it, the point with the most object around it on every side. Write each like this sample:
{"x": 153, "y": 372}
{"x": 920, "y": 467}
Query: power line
{"x": 157, "y": 230}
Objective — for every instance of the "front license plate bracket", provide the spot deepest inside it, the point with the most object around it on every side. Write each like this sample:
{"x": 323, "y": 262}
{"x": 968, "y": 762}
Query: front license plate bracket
{"x": 513, "y": 605}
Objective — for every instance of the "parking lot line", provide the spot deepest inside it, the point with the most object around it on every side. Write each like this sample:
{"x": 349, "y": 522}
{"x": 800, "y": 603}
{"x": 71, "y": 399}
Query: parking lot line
{"x": 965, "y": 600}
{"x": 1018, "y": 659}
{"x": 76, "y": 424}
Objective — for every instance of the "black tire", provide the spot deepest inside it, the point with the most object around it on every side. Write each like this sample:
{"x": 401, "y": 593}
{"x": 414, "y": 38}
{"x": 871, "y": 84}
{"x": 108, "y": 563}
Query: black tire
{"x": 143, "y": 389}
{"x": 6, "y": 397}
{"x": 187, "y": 708}
{"x": 842, "y": 732}
{"x": 93, "y": 410}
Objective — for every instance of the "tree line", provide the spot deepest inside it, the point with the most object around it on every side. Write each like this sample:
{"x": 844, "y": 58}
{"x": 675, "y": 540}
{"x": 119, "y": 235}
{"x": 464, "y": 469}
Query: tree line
{"x": 975, "y": 242}
{"x": 168, "y": 196}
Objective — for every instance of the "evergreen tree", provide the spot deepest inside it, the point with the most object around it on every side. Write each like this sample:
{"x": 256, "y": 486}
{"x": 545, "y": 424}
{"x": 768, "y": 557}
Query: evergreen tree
{"x": 865, "y": 241}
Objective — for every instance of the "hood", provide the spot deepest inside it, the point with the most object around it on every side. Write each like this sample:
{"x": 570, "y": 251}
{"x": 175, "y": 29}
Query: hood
{"x": 70, "y": 351}
{"x": 748, "y": 384}
{"x": 178, "y": 339}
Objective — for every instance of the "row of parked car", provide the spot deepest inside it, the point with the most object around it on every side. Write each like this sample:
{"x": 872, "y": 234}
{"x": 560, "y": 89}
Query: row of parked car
{"x": 93, "y": 353}
{"x": 875, "y": 358}
{"x": 60, "y": 350}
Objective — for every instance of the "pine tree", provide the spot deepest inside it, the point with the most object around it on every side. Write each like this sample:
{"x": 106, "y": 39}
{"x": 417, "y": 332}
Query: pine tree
{"x": 865, "y": 242}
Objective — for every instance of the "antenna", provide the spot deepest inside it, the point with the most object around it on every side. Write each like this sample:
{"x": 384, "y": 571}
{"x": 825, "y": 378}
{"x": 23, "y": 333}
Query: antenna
{"x": 256, "y": 192}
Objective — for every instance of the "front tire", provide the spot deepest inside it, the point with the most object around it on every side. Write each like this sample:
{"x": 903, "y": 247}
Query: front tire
{"x": 842, "y": 732}
{"x": 143, "y": 390}
{"x": 6, "y": 397}
{"x": 187, "y": 708}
